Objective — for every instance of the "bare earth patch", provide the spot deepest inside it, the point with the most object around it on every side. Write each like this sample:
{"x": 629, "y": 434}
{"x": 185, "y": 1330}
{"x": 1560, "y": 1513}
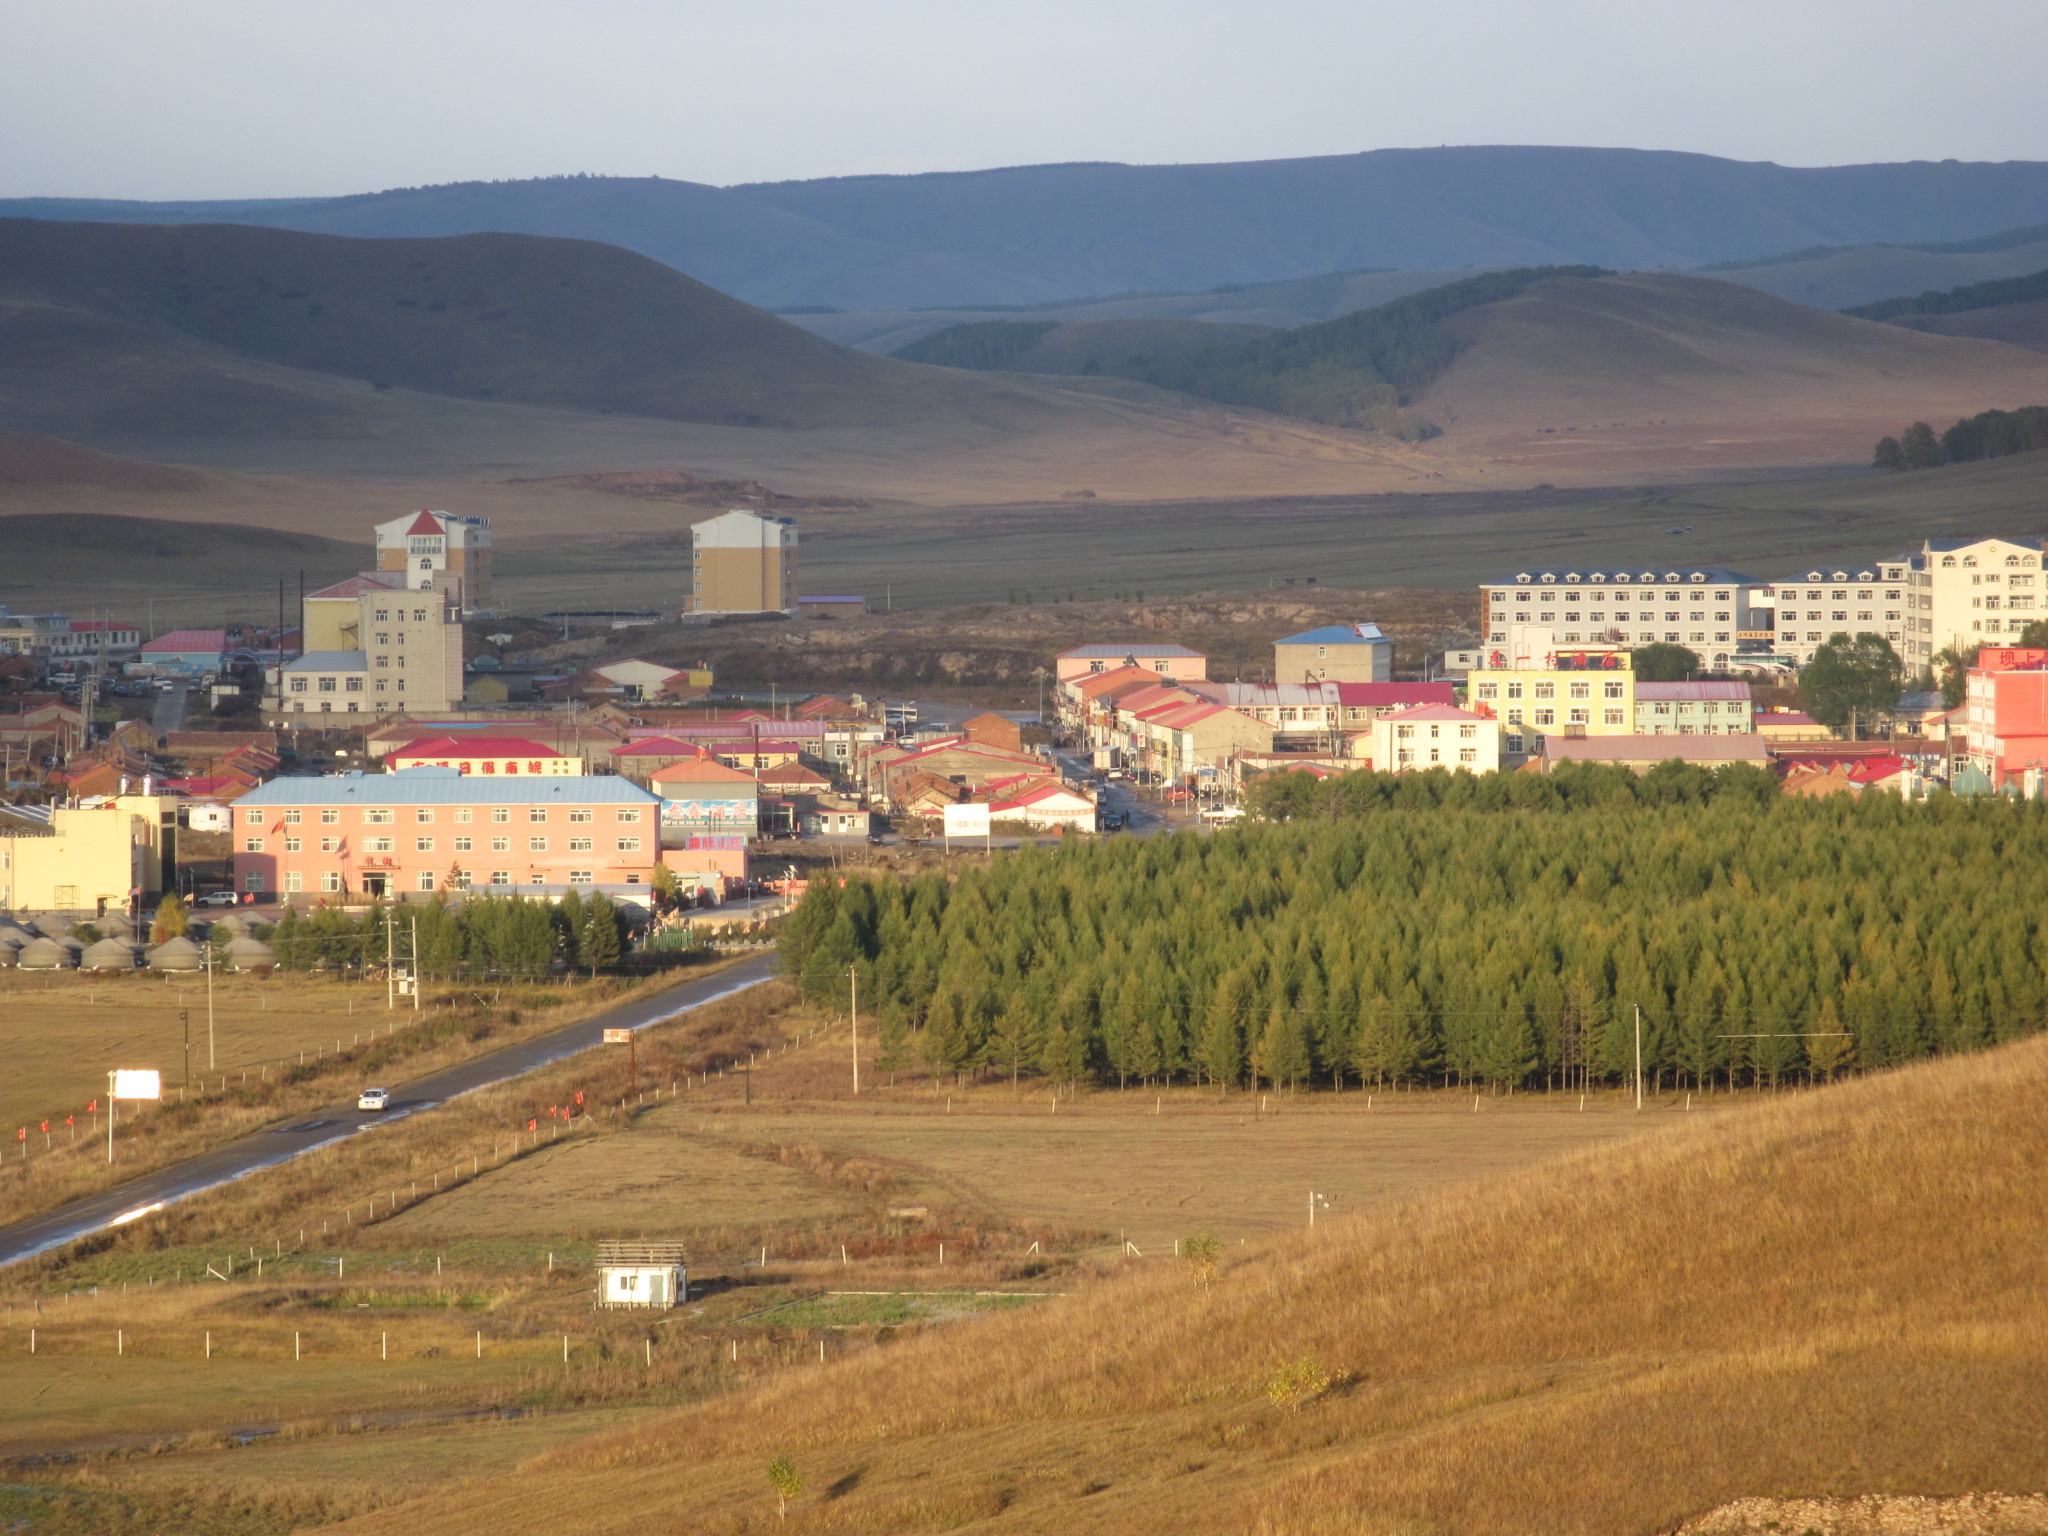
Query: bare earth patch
{"x": 1879, "y": 1514}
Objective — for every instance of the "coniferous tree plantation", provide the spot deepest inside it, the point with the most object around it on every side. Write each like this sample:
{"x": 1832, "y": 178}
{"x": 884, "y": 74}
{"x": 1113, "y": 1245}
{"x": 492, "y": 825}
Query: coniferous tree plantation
{"x": 1432, "y": 928}
{"x": 503, "y": 936}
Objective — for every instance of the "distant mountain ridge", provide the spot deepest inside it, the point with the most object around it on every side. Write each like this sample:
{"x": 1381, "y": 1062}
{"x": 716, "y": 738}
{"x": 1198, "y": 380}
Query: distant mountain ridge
{"x": 1039, "y": 234}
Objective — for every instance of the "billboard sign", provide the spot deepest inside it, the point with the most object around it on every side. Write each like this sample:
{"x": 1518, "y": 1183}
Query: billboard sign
{"x": 967, "y": 820}
{"x": 138, "y": 1085}
{"x": 618, "y": 1037}
{"x": 727, "y": 816}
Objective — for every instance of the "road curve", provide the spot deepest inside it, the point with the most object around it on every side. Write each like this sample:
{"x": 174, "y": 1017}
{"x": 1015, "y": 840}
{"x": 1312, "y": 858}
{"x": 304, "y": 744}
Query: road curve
{"x": 317, "y": 1128}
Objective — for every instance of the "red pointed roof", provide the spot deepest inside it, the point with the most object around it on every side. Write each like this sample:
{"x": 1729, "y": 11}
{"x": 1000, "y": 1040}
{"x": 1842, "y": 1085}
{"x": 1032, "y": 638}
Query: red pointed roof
{"x": 424, "y": 523}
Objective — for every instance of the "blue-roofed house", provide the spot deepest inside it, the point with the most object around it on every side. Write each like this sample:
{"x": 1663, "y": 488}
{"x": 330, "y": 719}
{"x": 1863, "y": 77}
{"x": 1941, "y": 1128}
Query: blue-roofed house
{"x": 1336, "y": 653}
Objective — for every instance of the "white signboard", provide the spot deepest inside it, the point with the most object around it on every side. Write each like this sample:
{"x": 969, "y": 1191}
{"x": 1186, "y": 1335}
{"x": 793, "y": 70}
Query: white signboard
{"x": 967, "y": 820}
{"x": 138, "y": 1085}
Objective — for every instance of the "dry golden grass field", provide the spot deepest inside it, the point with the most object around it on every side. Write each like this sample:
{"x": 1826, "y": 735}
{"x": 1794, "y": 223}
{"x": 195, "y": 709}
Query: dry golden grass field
{"x": 1528, "y": 1318}
{"x": 65, "y": 1031}
{"x": 1831, "y": 1295}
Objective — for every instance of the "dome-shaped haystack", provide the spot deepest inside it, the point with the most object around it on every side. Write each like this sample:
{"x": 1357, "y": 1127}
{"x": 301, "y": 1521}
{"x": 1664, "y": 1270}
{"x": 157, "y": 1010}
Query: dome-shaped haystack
{"x": 54, "y": 925}
{"x": 179, "y": 954}
{"x": 251, "y": 955}
{"x": 108, "y": 955}
{"x": 116, "y": 925}
{"x": 46, "y": 955}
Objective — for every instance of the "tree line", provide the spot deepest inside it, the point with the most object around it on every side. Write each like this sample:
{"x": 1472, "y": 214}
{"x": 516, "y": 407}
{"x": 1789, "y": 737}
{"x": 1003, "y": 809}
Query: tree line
{"x": 504, "y": 936}
{"x": 1440, "y": 928}
{"x": 1987, "y": 435}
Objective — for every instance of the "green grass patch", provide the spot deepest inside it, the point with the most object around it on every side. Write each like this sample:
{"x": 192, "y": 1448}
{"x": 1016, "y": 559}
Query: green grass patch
{"x": 890, "y": 1309}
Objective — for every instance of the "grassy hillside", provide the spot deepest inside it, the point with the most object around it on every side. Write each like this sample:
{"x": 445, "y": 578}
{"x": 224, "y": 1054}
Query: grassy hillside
{"x": 1839, "y": 277}
{"x": 118, "y": 565}
{"x": 1355, "y": 371}
{"x": 1831, "y": 1294}
{"x": 1122, "y": 347}
{"x": 489, "y": 317}
{"x": 2009, "y": 290}
{"x": 1033, "y": 234}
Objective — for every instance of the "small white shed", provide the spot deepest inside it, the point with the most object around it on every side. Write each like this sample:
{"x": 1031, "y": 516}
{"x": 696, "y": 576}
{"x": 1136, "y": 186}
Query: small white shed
{"x": 641, "y": 1274}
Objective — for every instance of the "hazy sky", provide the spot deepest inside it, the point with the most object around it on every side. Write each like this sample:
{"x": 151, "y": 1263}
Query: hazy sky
{"x": 270, "y": 98}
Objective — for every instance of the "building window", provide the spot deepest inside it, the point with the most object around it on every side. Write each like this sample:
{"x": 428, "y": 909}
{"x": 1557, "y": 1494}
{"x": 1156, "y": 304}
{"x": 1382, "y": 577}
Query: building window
{"x": 1611, "y": 717}
{"x": 291, "y": 818}
{"x": 330, "y": 845}
{"x": 581, "y": 845}
{"x": 1468, "y": 754}
{"x": 501, "y": 877}
{"x": 379, "y": 844}
{"x": 1488, "y": 690}
{"x": 1514, "y": 744}
{"x": 536, "y": 845}
{"x": 1611, "y": 690}
{"x": 330, "y": 816}
{"x": 583, "y": 815}
{"x": 331, "y": 881}
{"x": 1467, "y": 732}
{"x": 464, "y": 814}
{"x": 1576, "y": 717}
{"x": 1546, "y": 717}
{"x": 629, "y": 845}
{"x": 253, "y": 818}
{"x": 631, "y": 815}
{"x": 423, "y": 815}
{"x": 298, "y": 685}
{"x": 1545, "y": 691}
{"x": 291, "y": 845}
{"x": 253, "y": 845}
{"x": 501, "y": 845}
{"x": 379, "y": 817}
{"x": 423, "y": 845}
{"x": 581, "y": 877}
{"x": 252, "y": 882}
{"x": 463, "y": 844}
{"x": 294, "y": 882}
{"x": 537, "y": 813}
{"x": 1581, "y": 690}
{"x": 426, "y": 880}
{"x": 501, "y": 813}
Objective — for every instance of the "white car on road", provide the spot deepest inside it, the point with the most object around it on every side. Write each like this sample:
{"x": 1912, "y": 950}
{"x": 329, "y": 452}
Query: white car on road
{"x": 374, "y": 1098}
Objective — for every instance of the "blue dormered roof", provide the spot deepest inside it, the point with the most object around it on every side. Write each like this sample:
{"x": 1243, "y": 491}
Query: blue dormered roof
{"x": 1338, "y": 634}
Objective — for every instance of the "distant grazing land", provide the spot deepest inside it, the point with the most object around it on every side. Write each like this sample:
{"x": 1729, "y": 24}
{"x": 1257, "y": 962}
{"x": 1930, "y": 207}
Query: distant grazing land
{"x": 1035, "y": 234}
{"x": 2008, "y": 309}
{"x": 1847, "y": 277}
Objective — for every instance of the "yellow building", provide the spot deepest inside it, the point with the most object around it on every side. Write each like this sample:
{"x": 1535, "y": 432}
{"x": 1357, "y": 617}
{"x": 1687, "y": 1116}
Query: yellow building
{"x": 1591, "y": 693}
{"x": 94, "y": 859}
{"x": 741, "y": 562}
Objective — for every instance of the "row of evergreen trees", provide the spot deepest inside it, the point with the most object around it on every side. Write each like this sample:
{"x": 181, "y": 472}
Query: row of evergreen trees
{"x": 504, "y": 936}
{"x": 1438, "y": 927}
{"x": 1987, "y": 435}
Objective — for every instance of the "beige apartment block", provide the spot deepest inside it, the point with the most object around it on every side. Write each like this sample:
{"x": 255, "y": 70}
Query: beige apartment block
{"x": 373, "y": 647}
{"x": 1966, "y": 592}
{"x": 425, "y": 546}
{"x": 1590, "y": 695}
{"x": 741, "y": 562}
{"x": 96, "y": 858}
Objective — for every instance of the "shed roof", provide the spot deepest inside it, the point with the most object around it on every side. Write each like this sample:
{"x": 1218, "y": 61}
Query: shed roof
{"x": 694, "y": 770}
{"x": 1666, "y": 692}
{"x": 478, "y": 746}
{"x": 187, "y": 640}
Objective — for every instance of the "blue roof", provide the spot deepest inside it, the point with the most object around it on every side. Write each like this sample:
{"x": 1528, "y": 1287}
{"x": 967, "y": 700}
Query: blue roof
{"x": 1623, "y": 573}
{"x": 1338, "y": 634}
{"x": 329, "y": 661}
{"x": 449, "y": 786}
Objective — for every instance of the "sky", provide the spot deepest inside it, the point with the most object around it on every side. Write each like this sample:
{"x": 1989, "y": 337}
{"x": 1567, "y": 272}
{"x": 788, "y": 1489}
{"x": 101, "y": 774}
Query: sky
{"x": 180, "y": 99}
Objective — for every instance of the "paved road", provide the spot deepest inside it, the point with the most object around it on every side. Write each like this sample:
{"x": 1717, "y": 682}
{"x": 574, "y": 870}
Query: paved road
{"x": 303, "y": 1133}
{"x": 169, "y": 714}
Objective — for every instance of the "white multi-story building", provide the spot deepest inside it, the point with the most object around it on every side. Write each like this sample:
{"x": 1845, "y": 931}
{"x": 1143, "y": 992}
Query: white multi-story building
{"x": 1806, "y": 611}
{"x": 1538, "y": 614}
{"x": 1965, "y": 592}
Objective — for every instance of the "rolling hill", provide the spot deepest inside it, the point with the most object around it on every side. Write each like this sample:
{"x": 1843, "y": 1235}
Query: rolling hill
{"x": 1832, "y": 1293}
{"x": 1849, "y": 277}
{"x": 2011, "y": 309}
{"x": 1080, "y": 347}
{"x": 1037, "y": 234}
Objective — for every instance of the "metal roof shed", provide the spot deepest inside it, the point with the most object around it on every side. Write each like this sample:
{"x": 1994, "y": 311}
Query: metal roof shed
{"x": 641, "y": 1274}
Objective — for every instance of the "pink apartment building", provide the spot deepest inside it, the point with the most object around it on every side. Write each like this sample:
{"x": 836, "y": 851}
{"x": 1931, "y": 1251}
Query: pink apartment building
{"x": 421, "y": 830}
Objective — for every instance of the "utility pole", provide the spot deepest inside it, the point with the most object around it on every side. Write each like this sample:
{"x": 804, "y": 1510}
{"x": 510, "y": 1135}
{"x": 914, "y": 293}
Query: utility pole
{"x": 415, "y": 962}
{"x": 209, "y": 1010}
{"x": 1314, "y": 1200}
{"x": 1639, "y": 1057}
{"x": 390, "y": 967}
{"x": 853, "y": 1008}
{"x": 185, "y": 1019}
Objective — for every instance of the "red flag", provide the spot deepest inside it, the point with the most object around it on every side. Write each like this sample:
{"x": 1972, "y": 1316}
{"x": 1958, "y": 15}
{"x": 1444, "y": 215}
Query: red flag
{"x": 533, "y": 1125}
{"x": 46, "y": 1127}
{"x": 579, "y": 1098}
{"x": 22, "y": 1134}
{"x": 93, "y": 1108}
{"x": 69, "y": 1121}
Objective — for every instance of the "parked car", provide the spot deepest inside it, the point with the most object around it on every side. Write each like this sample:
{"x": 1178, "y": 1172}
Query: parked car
{"x": 216, "y": 899}
{"x": 374, "y": 1098}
